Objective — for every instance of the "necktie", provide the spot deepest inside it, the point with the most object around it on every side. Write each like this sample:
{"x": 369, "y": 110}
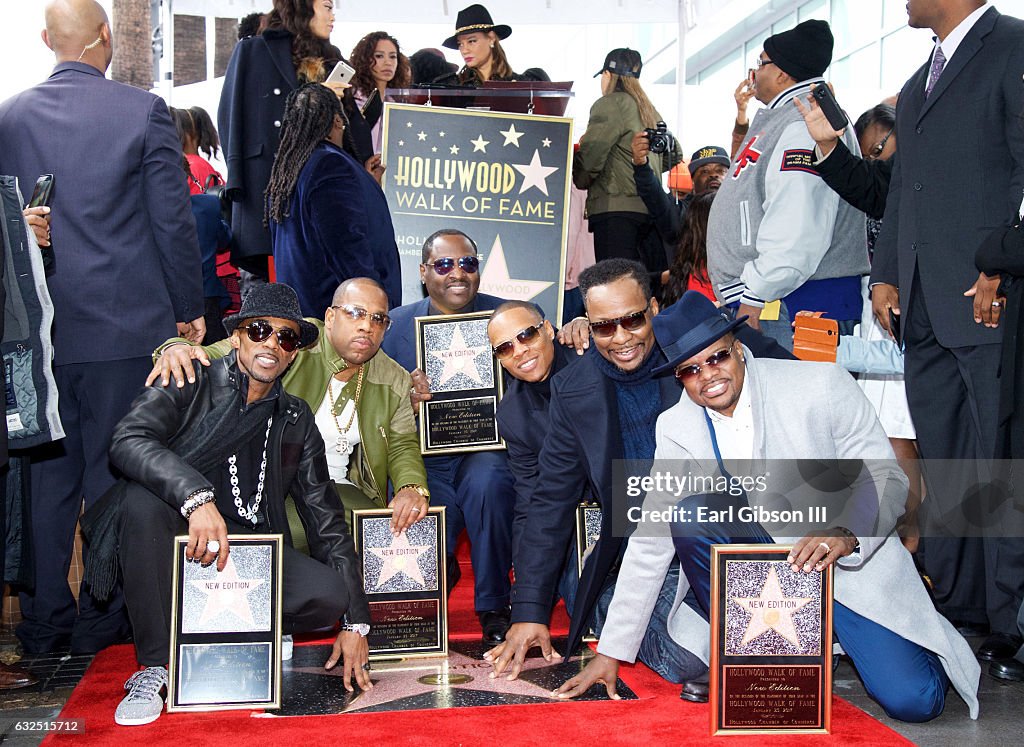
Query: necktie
{"x": 938, "y": 63}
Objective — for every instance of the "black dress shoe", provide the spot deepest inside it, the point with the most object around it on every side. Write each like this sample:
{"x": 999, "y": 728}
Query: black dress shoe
{"x": 696, "y": 690}
{"x": 14, "y": 677}
{"x": 998, "y": 647}
{"x": 1011, "y": 669}
{"x": 495, "y": 624}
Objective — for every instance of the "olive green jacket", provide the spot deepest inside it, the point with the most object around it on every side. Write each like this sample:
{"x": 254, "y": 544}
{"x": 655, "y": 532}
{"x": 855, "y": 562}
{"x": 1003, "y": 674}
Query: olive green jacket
{"x": 388, "y": 444}
{"x": 604, "y": 162}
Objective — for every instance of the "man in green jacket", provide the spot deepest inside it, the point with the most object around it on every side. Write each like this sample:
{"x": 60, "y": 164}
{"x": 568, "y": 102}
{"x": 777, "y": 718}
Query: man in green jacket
{"x": 360, "y": 398}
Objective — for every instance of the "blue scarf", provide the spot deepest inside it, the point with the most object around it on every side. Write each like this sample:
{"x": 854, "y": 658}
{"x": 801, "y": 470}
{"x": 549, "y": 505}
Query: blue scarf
{"x": 638, "y": 396}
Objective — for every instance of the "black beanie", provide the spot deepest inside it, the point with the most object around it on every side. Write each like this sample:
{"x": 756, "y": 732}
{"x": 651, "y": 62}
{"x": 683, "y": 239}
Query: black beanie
{"x": 803, "y": 52}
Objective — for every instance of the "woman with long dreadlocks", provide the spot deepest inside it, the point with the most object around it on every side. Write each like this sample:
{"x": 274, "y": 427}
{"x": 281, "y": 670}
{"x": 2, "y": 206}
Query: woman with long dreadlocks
{"x": 295, "y": 48}
{"x": 328, "y": 218}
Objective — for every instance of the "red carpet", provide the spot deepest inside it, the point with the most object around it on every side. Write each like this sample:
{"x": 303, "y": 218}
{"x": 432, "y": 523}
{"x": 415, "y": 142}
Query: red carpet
{"x": 659, "y": 717}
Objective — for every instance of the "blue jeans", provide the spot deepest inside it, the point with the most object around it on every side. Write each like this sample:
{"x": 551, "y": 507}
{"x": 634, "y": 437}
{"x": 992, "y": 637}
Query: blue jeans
{"x": 658, "y": 650}
{"x": 906, "y": 679}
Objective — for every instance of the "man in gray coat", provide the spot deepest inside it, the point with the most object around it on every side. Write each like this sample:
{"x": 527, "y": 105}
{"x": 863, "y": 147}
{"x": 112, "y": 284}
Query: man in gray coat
{"x": 741, "y": 408}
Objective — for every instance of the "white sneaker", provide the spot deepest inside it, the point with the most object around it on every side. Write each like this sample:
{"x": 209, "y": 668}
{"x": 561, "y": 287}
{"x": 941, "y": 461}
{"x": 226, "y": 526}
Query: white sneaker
{"x": 287, "y": 644}
{"x": 144, "y": 702}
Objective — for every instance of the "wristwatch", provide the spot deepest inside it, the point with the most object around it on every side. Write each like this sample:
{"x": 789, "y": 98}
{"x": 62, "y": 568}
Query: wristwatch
{"x": 418, "y": 488}
{"x": 362, "y": 629}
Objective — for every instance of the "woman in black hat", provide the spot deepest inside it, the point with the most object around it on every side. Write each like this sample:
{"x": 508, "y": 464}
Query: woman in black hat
{"x": 478, "y": 40}
{"x": 603, "y": 165}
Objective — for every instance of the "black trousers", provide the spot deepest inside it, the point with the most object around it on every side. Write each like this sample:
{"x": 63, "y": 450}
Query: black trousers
{"x": 628, "y": 236}
{"x": 953, "y": 395}
{"x": 314, "y": 595}
{"x": 64, "y": 474}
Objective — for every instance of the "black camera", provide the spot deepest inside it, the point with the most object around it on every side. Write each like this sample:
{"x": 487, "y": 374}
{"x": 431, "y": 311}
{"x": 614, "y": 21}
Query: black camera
{"x": 659, "y": 138}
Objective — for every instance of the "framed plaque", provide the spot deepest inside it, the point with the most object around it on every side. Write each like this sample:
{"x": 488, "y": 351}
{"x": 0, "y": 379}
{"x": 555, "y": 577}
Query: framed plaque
{"x": 771, "y": 643}
{"x": 465, "y": 384}
{"x": 226, "y": 628}
{"x": 588, "y": 531}
{"x": 404, "y": 580}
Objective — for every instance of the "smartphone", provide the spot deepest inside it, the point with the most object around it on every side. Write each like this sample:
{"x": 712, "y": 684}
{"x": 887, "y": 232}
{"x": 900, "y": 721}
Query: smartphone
{"x": 894, "y": 325}
{"x": 827, "y": 101}
{"x": 42, "y": 195}
{"x": 342, "y": 73}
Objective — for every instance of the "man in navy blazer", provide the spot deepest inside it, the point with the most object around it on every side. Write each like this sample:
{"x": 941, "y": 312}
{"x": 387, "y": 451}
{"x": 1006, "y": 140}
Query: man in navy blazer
{"x": 127, "y": 268}
{"x": 967, "y": 99}
{"x": 475, "y": 488}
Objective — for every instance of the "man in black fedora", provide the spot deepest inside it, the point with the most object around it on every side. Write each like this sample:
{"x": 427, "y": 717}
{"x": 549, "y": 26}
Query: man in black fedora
{"x": 218, "y": 457}
{"x": 741, "y": 413}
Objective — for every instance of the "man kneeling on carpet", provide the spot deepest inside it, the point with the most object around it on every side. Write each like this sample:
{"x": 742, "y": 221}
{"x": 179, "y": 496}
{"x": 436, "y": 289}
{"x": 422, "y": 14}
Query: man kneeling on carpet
{"x": 742, "y": 408}
{"x": 175, "y": 447}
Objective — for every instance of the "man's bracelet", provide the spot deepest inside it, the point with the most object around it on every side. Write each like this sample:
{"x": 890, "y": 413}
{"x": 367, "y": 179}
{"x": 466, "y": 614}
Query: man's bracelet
{"x": 197, "y": 499}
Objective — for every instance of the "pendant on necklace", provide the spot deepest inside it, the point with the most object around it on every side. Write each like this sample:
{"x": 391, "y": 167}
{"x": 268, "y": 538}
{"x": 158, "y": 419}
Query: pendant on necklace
{"x": 342, "y": 443}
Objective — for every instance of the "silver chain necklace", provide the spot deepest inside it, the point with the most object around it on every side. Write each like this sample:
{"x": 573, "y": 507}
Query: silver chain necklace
{"x": 249, "y": 512}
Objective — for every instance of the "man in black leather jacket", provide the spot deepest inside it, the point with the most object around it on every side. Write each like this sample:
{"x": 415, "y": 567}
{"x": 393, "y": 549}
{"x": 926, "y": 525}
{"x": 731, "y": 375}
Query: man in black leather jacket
{"x": 175, "y": 447}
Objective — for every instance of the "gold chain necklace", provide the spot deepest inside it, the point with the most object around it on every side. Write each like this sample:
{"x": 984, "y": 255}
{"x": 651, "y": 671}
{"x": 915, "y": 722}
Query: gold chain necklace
{"x": 342, "y": 444}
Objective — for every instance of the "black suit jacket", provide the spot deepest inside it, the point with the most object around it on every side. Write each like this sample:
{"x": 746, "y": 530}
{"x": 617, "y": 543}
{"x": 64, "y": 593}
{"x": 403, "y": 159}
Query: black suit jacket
{"x": 957, "y": 176}
{"x": 523, "y": 423}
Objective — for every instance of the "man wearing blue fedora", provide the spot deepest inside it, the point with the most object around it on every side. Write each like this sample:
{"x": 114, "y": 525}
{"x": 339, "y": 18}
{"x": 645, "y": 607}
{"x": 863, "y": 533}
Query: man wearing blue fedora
{"x": 739, "y": 407}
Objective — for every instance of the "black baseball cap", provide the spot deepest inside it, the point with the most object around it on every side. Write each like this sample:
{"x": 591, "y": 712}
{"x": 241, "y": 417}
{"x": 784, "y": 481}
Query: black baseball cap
{"x": 622, "y": 61}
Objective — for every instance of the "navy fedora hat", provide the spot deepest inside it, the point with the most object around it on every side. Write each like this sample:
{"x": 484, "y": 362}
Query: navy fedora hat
{"x": 688, "y": 326}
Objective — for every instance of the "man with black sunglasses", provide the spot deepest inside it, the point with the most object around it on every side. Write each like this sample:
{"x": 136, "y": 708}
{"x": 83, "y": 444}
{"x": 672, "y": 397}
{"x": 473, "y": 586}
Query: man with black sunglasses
{"x": 601, "y": 409}
{"x": 359, "y": 396}
{"x": 219, "y": 456}
{"x": 740, "y": 409}
{"x": 475, "y": 488}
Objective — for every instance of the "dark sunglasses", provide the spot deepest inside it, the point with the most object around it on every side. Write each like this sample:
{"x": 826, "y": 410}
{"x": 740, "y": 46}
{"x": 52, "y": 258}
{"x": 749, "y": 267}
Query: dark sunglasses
{"x": 525, "y": 337}
{"x": 470, "y": 263}
{"x": 287, "y": 339}
{"x": 357, "y": 313}
{"x": 630, "y": 323}
{"x": 686, "y": 373}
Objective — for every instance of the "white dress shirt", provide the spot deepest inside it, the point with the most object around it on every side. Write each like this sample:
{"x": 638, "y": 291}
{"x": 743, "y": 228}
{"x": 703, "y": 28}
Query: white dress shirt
{"x": 735, "y": 434}
{"x": 952, "y": 41}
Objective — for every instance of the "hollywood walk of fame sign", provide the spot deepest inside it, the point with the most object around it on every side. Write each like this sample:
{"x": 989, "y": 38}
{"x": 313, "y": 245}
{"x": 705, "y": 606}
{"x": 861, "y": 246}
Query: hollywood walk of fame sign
{"x": 404, "y": 580}
{"x": 226, "y": 628}
{"x": 465, "y": 384}
{"x": 771, "y": 643}
{"x": 501, "y": 178}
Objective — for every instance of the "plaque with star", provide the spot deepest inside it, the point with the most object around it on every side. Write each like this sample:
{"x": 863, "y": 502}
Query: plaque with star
{"x": 501, "y": 177}
{"x": 226, "y": 628}
{"x": 588, "y": 532}
{"x": 404, "y": 579}
{"x": 465, "y": 384}
{"x": 771, "y": 643}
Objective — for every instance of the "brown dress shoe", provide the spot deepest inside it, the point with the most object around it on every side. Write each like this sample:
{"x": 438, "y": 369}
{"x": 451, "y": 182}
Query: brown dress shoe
{"x": 14, "y": 677}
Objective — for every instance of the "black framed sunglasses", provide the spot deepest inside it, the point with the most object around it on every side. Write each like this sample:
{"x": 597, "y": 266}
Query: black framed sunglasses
{"x": 686, "y": 373}
{"x": 629, "y": 322}
{"x": 260, "y": 330}
{"x": 358, "y": 313}
{"x": 525, "y": 337}
{"x": 470, "y": 263}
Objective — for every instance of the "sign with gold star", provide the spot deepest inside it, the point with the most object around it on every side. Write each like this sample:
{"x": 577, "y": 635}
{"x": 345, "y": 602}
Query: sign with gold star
{"x": 771, "y": 643}
{"x": 465, "y": 384}
{"x": 502, "y": 178}
{"x": 404, "y": 579}
{"x": 226, "y": 628}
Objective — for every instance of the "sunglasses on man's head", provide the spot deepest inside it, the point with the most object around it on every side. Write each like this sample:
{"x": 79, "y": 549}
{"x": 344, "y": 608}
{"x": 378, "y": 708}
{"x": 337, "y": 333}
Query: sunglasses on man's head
{"x": 525, "y": 337}
{"x": 358, "y": 313}
{"x": 629, "y": 322}
{"x": 287, "y": 339}
{"x": 470, "y": 263}
{"x": 686, "y": 373}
